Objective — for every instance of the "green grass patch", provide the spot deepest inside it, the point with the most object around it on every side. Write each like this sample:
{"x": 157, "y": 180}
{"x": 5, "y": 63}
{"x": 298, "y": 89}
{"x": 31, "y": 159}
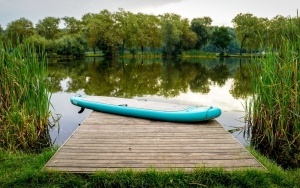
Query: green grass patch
{"x": 25, "y": 170}
{"x": 197, "y": 53}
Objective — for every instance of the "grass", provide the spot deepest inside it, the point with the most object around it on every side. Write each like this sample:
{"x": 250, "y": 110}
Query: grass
{"x": 24, "y": 99}
{"x": 273, "y": 114}
{"x": 20, "y": 169}
{"x": 197, "y": 53}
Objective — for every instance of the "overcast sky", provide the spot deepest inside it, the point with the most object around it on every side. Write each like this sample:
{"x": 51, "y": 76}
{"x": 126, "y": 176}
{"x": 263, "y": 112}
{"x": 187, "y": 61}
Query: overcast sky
{"x": 221, "y": 11}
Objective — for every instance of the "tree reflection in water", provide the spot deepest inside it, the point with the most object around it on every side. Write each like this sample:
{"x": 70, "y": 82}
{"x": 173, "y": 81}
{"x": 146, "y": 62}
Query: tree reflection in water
{"x": 137, "y": 77}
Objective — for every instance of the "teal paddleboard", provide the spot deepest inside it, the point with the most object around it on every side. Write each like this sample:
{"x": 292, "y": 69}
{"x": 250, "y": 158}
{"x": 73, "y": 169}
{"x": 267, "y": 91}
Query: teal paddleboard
{"x": 147, "y": 109}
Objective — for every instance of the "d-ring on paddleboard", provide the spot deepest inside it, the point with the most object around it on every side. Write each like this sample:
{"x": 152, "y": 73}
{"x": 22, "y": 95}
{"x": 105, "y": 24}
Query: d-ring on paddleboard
{"x": 81, "y": 110}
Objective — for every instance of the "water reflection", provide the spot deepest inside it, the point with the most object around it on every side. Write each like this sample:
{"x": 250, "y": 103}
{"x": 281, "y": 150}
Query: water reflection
{"x": 217, "y": 82}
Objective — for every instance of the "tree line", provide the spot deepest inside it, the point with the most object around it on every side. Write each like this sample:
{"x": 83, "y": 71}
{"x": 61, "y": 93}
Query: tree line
{"x": 117, "y": 33}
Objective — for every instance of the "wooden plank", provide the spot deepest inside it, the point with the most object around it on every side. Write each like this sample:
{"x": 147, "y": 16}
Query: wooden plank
{"x": 111, "y": 142}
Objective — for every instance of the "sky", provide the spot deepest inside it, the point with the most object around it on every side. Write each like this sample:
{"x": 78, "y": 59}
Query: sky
{"x": 221, "y": 11}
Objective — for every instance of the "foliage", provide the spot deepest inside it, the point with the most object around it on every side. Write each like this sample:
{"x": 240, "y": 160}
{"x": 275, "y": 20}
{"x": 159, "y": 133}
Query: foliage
{"x": 281, "y": 26}
{"x": 73, "y": 26}
{"x": 171, "y": 34}
{"x": 1, "y": 31}
{"x": 201, "y": 26}
{"x": 37, "y": 41}
{"x": 68, "y": 45}
{"x": 48, "y": 27}
{"x": 2, "y": 36}
{"x": 19, "y": 30}
{"x": 24, "y": 99}
{"x": 274, "y": 110}
{"x": 127, "y": 77}
{"x": 241, "y": 87}
{"x": 114, "y": 33}
{"x": 101, "y": 32}
{"x": 221, "y": 38}
{"x": 176, "y": 35}
{"x": 250, "y": 30}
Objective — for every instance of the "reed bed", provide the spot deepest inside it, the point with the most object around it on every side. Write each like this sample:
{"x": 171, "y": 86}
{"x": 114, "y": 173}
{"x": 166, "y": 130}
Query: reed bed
{"x": 274, "y": 111}
{"x": 24, "y": 99}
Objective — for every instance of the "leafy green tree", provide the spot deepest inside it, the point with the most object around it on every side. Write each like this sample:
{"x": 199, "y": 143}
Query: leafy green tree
{"x": 171, "y": 38}
{"x": 73, "y": 45}
{"x": 201, "y": 26}
{"x": 1, "y": 34}
{"x": 233, "y": 47}
{"x": 102, "y": 32}
{"x": 39, "y": 42}
{"x": 73, "y": 26}
{"x": 221, "y": 38}
{"x": 282, "y": 28}
{"x": 48, "y": 27}
{"x": 1, "y": 31}
{"x": 90, "y": 31}
{"x": 174, "y": 33}
{"x": 169, "y": 33}
{"x": 127, "y": 29}
{"x": 153, "y": 31}
{"x": 149, "y": 34}
{"x": 19, "y": 30}
{"x": 250, "y": 31}
{"x": 188, "y": 37}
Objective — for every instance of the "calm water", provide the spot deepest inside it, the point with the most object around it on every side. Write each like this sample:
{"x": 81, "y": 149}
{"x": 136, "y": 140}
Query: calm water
{"x": 204, "y": 82}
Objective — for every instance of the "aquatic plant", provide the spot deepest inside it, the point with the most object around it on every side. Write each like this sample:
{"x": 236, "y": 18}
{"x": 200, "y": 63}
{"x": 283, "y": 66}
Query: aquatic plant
{"x": 273, "y": 112}
{"x": 24, "y": 98}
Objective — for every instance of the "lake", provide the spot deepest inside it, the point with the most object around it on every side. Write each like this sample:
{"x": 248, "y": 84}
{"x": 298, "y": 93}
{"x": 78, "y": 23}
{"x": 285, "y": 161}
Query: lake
{"x": 198, "y": 81}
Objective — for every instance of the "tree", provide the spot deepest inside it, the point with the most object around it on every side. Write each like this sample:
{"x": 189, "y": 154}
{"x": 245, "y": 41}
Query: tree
{"x": 39, "y": 42}
{"x": 249, "y": 30}
{"x": 102, "y": 32}
{"x": 127, "y": 28}
{"x": 90, "y": 30}
{"x": 48, "y": 27}
{"x": 73, "y": 26}
{"x": 149, "y": 34}
{"x": 73, "y": 45}
{"x": 153, "y": 31}
{"x": 1, "y": 31}
{"x": 201, "y": 26}
{"x": 176, "y": 35}
{"x": 171, "y": 33}
{"x": 233, "y": 47}
{"x": 1, "y": 34}
{"x": 221, "y": 38}
{"x": 19, "y": 30}
{"x": 188, "y": 37}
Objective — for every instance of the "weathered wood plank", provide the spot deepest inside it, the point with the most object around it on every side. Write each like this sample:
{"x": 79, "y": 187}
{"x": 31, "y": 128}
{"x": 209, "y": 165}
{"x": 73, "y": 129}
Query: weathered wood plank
{"x": 110, "y": 142}
{"x": 149, "y": 163}
{"x": 144, "y": 156}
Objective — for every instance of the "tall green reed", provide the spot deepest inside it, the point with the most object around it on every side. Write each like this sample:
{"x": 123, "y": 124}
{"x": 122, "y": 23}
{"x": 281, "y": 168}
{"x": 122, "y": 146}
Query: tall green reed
{"x": 274, "y": 111}
{"x": 24, "y": 98}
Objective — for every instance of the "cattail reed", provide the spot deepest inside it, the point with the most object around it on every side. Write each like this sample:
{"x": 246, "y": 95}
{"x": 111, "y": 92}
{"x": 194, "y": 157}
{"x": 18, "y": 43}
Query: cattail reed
{"x": 24, "y": 99}
{"x": 274, "y": 111}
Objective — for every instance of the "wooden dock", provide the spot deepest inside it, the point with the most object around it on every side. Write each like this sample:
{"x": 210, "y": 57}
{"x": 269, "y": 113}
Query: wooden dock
{"x": 111, "y": 142}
